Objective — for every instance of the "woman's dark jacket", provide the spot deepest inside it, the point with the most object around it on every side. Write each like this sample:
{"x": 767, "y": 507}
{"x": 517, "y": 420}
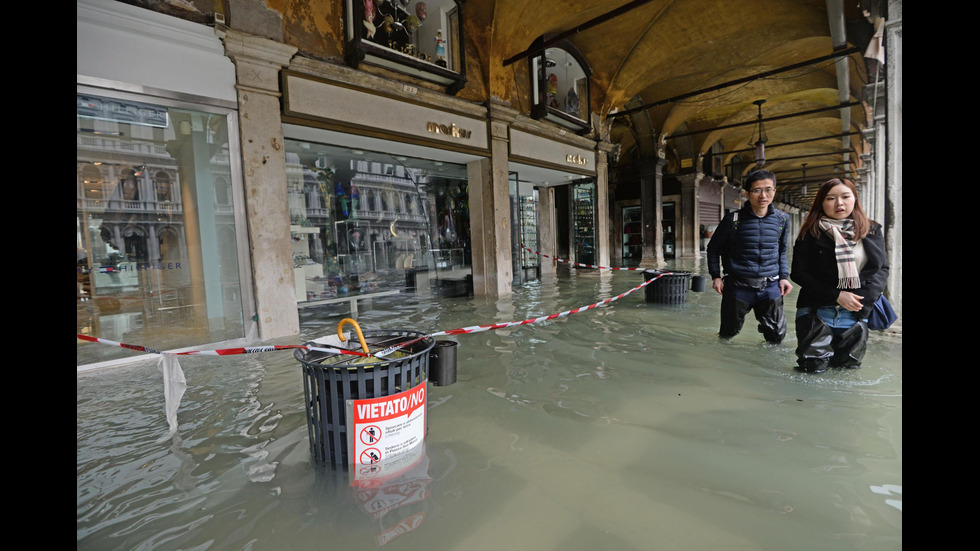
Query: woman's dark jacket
{"x": 751, "y": 248}
{"x": 815, "y": 270}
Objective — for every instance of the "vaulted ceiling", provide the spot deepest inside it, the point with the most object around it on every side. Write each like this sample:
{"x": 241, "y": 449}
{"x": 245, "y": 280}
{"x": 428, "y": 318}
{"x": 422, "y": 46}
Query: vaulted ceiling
{"x": 687, "y": 74}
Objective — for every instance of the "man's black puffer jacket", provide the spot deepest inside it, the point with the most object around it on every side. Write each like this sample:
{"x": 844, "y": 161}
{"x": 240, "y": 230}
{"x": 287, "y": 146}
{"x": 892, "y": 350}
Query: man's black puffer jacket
{"x": 754, "y": 247}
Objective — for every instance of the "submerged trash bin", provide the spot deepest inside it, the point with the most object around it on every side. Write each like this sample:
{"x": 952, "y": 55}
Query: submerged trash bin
{"x": 442, "y": 363}
{"x": 669, "y": 288}
{"x": 331, "y": 379}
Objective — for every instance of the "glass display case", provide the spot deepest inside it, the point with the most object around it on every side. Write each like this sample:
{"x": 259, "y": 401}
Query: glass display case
{"x": 669, "y": 229}
{"x": 583, "y": 222}
{"x": 560, "y": 85}
{"x": 529, "y": 231}
{"x": 420, "y": 38}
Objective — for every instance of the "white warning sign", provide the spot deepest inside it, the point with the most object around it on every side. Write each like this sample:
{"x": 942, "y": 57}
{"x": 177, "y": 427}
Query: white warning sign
{"x": 384, "y": 427}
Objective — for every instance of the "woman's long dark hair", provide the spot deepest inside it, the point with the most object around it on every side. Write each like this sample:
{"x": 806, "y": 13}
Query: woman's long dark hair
{"x": 861, "y": 223}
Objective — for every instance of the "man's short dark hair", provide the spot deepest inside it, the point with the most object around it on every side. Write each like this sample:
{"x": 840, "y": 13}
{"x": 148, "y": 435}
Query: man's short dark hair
{"x": 756, "y": 175}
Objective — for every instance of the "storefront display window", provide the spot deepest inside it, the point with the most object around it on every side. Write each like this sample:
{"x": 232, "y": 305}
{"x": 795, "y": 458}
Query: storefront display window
{"x": 524, "y": 236}
{"x": 363, "y": 221}
{"x": 158, "y": 257}
{"x": 560, "y": 86}
{"x": 584, "y": 222}
{"x": 423, "y": 38}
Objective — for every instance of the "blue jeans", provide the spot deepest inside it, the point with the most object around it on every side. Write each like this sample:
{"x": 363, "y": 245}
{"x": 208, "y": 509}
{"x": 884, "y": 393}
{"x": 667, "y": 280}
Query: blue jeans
{"x": 837, "y": 318}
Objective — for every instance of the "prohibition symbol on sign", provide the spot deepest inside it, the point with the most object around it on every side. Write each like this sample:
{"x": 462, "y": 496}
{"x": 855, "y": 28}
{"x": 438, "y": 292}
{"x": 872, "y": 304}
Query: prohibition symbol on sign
{"x": 370, "y": 435}
{"x": 369, "y": 456}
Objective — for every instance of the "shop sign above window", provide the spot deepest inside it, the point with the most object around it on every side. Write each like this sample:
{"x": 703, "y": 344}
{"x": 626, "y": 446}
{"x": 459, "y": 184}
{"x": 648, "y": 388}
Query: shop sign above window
{"x": 421, "y": 38}
{"x": 560, "y": 86}
{"x": 120, "y": 111}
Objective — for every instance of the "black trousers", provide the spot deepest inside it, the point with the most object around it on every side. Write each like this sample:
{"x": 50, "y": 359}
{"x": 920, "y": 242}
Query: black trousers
{"x": 767, "y": 304}
{"x": 819, "y": 348}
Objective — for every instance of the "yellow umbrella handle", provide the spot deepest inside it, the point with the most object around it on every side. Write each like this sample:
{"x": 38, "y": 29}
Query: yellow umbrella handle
{"x": 360, "y": 335}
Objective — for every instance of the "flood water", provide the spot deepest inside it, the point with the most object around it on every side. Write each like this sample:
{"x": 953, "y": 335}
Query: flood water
{"x": 628, "y": 427}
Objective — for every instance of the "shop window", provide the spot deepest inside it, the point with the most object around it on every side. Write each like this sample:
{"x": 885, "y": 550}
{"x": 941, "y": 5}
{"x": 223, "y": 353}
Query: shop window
{"x": 153, "y": 269}
{"x": 560, "y": 86}
{"x": 423, "y": 39}
{"x": 382, "y": 222}
{"x": 584, "y": 222}
{"x": 524, "y": 230}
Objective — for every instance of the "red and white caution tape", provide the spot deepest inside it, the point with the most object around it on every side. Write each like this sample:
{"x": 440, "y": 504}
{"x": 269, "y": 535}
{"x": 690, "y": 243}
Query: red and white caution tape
{"x": 175, "y": 382}
{"x": 388, "y": 351}
{"x": 556, "y": 259}
{"x": 491, "y": 327}
{"x": 224, "y": 351}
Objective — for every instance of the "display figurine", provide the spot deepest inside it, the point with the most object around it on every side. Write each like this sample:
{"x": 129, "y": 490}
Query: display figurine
{"x": 369, "y": 18}
{"x": 421, "y": 10}
{"x": 571, "y": 102}
{"x": 341, "y": 199}
{"x": 412, "y": 23}
{"x": 355, "y": 200}
{"x": 553, "y": 91}
{"x": 355, "y": 239}
{"x": 440, "y": 49}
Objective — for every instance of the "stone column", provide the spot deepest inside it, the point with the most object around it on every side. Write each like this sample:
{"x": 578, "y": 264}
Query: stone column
{"x": 257, "y": 64}
{"x": 893, "y": 201}
{"x": 652, "y": 210}
{"x": 688, "y": 220}
{"x": 490, "y": 210}
{"x": 603, "y": 213}
{"x": 546, "y": 232}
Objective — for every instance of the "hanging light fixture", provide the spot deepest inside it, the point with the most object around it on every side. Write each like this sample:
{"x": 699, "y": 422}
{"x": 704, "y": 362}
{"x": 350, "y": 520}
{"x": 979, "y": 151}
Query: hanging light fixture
{"x": 804, "y": 178}
{"x": 759, "y": 138}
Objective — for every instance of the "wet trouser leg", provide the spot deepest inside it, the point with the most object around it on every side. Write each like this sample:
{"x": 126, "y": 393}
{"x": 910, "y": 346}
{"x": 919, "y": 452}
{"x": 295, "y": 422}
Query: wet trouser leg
{"x": 772, "y": 319}
{"x": 733, "y": 311}
{"x": 849, "y": 346}
{"x": 814, "y": 347}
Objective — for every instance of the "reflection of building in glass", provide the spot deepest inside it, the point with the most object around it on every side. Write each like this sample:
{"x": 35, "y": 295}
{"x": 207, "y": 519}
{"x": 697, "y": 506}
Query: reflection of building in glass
{"x": 156, "y": 229}
{"x": 387, "y": 220}
{"x": 359, "y": 225}
{"x": 354, "y": 224}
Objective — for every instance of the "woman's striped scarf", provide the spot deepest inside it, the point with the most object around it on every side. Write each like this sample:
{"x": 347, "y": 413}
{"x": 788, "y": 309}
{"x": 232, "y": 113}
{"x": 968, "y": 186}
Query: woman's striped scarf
{"x": 842, "y": 232}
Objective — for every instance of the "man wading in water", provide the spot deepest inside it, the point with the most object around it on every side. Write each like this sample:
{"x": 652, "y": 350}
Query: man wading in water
{"x": 752, "y": 243}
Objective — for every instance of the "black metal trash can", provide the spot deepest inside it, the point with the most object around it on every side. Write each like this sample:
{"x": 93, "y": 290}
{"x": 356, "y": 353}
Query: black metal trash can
{"x": 330, "y": 380}
{"x": 670, "y": 288}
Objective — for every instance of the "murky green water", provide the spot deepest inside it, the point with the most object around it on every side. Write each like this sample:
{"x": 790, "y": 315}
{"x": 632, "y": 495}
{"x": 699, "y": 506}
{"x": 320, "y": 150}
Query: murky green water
{"x": 629, "y": 426}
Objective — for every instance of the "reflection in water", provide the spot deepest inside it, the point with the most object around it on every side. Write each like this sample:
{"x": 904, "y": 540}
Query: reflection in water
{"x": 629, "y": 426}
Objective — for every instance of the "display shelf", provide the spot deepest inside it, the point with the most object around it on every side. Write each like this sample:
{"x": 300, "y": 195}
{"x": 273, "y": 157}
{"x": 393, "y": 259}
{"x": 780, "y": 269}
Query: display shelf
{"x": 632, "y": 235}
{"x": 584, "y": 223}
{"x": 529, "y": 232}
{"x": 352, "y": 249}
{"x": 303, "y": 229}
